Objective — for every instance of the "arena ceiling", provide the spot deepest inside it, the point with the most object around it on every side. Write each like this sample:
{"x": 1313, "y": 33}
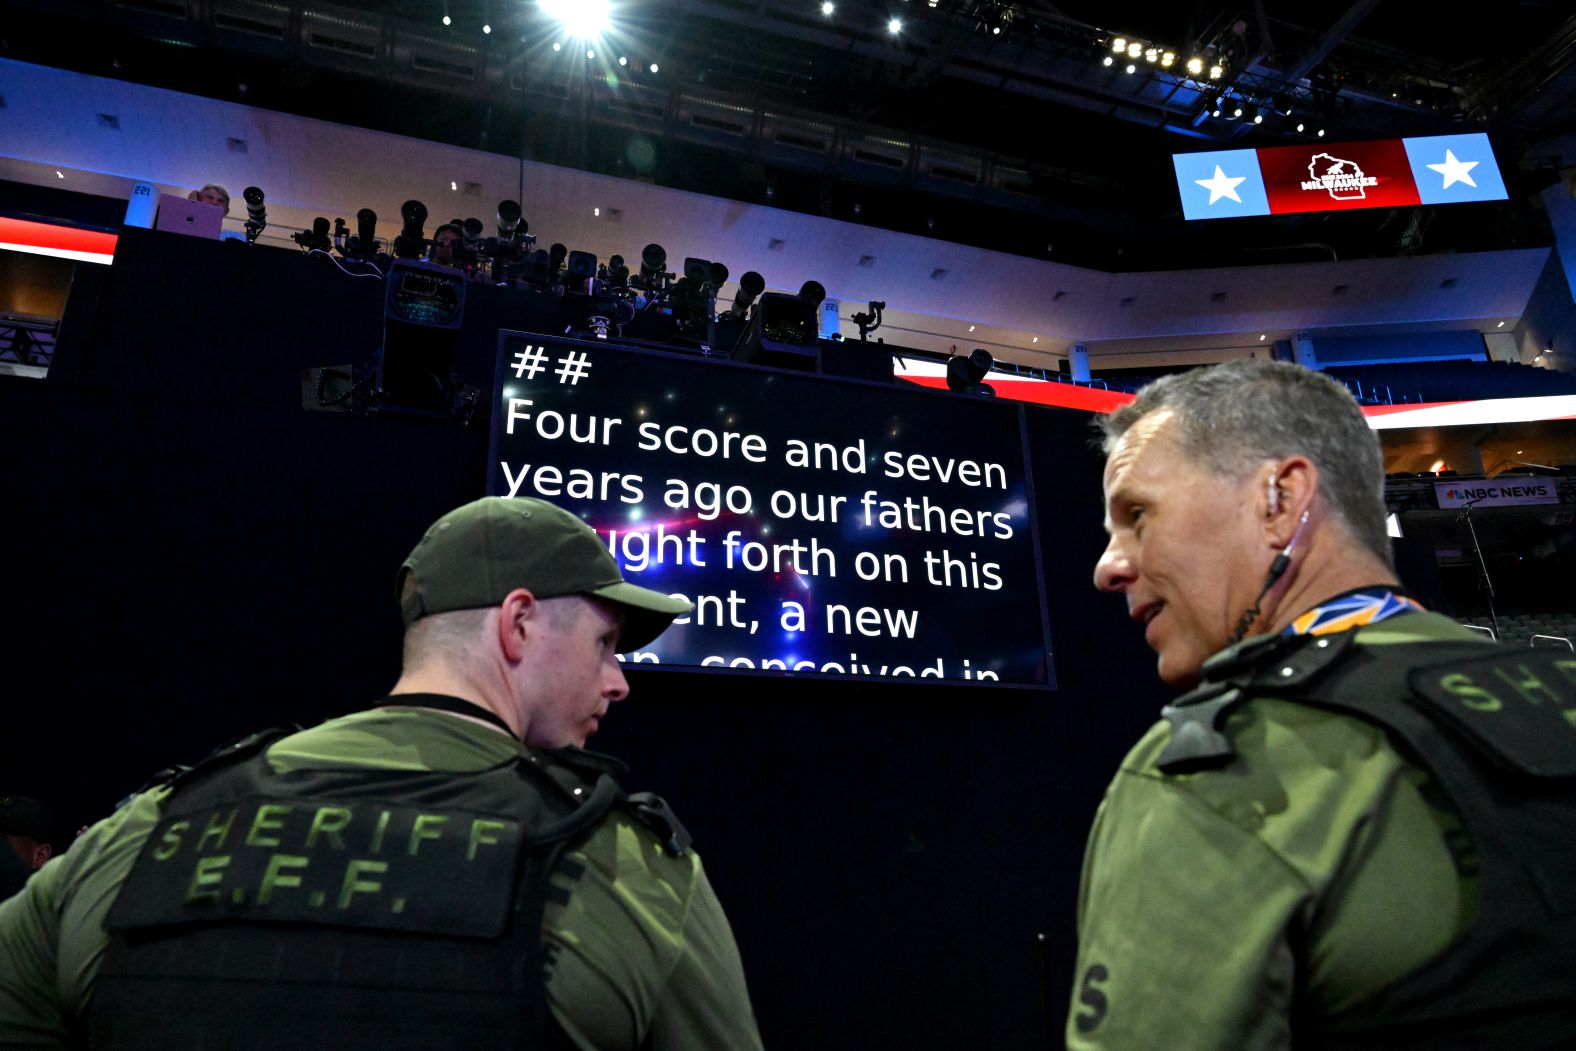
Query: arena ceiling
{"x": 982, "y": 122}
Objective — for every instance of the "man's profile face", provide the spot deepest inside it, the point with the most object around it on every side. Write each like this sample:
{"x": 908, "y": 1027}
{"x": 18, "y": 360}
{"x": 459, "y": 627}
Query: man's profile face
{"x": 1185, "y": 546}
{"x": 573, "y": 673}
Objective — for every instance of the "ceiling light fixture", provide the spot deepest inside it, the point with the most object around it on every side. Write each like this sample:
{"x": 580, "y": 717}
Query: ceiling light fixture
{"x": 1119, "y": 45}
{"x": 827, "y": 8}
{"x": 1106, "y": 61}
{"x": 1195, "y": 66}
{"x": 580, "y": 19}
{"x": 895, "y": 26}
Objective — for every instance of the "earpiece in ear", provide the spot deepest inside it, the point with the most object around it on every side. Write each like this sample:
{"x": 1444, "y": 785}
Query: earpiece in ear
{"x": 1274, "y": 497}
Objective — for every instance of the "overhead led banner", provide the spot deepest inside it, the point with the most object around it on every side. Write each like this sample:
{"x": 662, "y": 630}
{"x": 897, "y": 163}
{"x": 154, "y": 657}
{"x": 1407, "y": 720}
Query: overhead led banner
{"x": 820, "y": 526}
{"x": 1338, "y": 176}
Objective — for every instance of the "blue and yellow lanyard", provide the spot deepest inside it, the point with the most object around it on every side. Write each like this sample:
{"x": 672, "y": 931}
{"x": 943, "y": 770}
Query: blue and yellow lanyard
{"x": 1355, "y": 609}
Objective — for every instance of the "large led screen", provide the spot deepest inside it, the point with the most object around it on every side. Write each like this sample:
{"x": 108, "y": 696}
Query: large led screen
{"x": 1338, "y": 176}
{"x": 821, "y": 526}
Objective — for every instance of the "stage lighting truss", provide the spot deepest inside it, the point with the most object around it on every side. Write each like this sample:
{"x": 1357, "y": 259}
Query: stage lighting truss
{"x": 1158, "y": 55}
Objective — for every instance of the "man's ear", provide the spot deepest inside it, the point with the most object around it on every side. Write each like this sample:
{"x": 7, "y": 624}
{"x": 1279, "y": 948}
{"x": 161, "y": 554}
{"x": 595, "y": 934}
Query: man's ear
{"x": 1287, "y": 492}
{"x": 517, "y": 615}
{"x": 41, "y": 853}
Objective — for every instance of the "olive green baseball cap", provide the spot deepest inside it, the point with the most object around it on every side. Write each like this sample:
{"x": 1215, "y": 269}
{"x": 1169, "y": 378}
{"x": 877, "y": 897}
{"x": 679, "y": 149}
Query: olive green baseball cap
{"x": 476, "y": 554}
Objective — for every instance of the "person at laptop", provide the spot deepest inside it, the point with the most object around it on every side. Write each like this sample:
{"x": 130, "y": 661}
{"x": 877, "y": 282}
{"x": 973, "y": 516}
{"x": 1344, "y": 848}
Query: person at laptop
{"x": 213, "y": 193}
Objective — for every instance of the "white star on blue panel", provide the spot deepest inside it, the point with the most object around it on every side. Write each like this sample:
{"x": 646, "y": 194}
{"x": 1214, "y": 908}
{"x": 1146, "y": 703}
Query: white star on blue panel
{"x": 1220, "y": 184}
{"x": 1450, "y": 169}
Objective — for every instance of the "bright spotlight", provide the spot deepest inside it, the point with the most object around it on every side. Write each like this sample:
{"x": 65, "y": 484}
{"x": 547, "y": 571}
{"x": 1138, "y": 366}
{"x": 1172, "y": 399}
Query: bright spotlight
{"x": 581, "y": 19}
{"x": 1131, "y": 68}
{"x": 447, "y": 20}
{"x": 1300, "y": 125}
{"x": 653, "y": 67}
{"x": 1168, "y": 58}
{"x": 590, "y": 53}
{"x": 1151, "y": 55}
{"x": 1119, "y": 45}
{"x": 1215, "y": 72}
{"x": 827, "y": 8}
{"x": 1195, "y": 66}
{"x": 895, "y": 26}
{"x": 486, "y": 27}
{"x": 1321, "y": 133}
{"x": 623, "y": 60}
{"x": 558, "y": 45}
{"x": 1134, "y": 50}
{"x": 1106, "y": 61}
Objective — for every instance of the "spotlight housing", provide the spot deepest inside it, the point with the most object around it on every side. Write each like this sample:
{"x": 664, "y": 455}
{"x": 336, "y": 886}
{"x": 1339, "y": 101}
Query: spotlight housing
{"x": 965, "y": 375}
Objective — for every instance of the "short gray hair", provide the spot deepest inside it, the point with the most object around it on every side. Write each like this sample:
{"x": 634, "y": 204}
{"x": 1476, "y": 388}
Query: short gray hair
{"x": 449, "y": 636}
{"x": 1233, "y": 416}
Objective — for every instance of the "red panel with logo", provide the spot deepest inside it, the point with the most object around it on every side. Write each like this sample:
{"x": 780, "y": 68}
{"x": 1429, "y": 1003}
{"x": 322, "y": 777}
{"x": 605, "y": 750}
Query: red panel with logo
{"x": 1341, "y": 177}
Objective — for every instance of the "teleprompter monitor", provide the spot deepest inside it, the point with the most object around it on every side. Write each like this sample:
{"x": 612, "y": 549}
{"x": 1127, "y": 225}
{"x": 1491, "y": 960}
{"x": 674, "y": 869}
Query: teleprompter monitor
{"x": 822, "y": 527}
